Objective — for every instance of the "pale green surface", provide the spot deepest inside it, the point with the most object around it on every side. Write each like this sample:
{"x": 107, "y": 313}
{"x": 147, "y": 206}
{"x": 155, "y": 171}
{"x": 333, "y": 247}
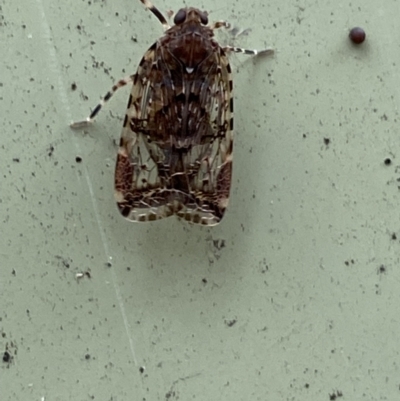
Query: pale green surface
{"x": 308, "y": 324}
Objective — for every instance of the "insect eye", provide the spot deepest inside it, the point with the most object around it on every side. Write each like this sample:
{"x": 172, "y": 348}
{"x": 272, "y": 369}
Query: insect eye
{"x": 180, "y": 16}
{"x": 204, "y": 18}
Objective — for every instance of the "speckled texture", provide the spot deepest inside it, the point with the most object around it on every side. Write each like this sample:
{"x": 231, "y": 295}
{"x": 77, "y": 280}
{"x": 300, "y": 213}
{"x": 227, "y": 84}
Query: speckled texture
{"x": 293, "y": 297}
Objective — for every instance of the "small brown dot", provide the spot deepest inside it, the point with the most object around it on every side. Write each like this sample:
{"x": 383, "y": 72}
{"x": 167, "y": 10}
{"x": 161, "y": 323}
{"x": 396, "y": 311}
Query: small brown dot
{"x": 357, "y": 35}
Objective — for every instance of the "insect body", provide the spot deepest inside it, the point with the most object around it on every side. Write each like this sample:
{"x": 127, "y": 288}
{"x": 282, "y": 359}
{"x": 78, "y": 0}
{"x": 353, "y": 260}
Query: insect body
{"x": 175, "y": 151}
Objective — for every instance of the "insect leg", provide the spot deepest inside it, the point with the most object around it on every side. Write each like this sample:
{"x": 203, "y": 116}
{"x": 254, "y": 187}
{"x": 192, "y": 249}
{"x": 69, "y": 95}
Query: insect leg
{"x": 228, "y": 49}
{"x": 156, "y": 12}
{"x": 220, "y": 24}
{"x": 103, "y": 101}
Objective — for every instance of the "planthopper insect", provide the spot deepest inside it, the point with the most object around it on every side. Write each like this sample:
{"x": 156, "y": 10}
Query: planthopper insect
{"x": 175, "y": 150}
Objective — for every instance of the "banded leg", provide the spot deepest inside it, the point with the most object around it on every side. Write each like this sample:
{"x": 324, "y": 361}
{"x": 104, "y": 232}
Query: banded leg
{"x": 233, "y": 49}
{"x": 156, "y": 12}
{"x": 220, "y": 24}
{"x": 103, "y": 101}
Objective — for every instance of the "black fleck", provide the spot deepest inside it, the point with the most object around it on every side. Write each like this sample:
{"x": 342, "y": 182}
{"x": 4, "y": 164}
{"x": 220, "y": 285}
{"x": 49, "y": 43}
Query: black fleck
{"x": 7, "y": 357}
{"x": 230, "y": 323}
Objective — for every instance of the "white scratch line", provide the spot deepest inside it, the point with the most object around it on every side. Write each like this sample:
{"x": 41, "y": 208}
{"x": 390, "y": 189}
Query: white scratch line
{"x": 54, "y": 65}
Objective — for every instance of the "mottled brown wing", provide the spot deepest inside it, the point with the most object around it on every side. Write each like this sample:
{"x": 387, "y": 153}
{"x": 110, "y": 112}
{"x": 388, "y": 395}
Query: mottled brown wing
{"x": 175, "y": 152}
{"x": 212, "y": 153}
